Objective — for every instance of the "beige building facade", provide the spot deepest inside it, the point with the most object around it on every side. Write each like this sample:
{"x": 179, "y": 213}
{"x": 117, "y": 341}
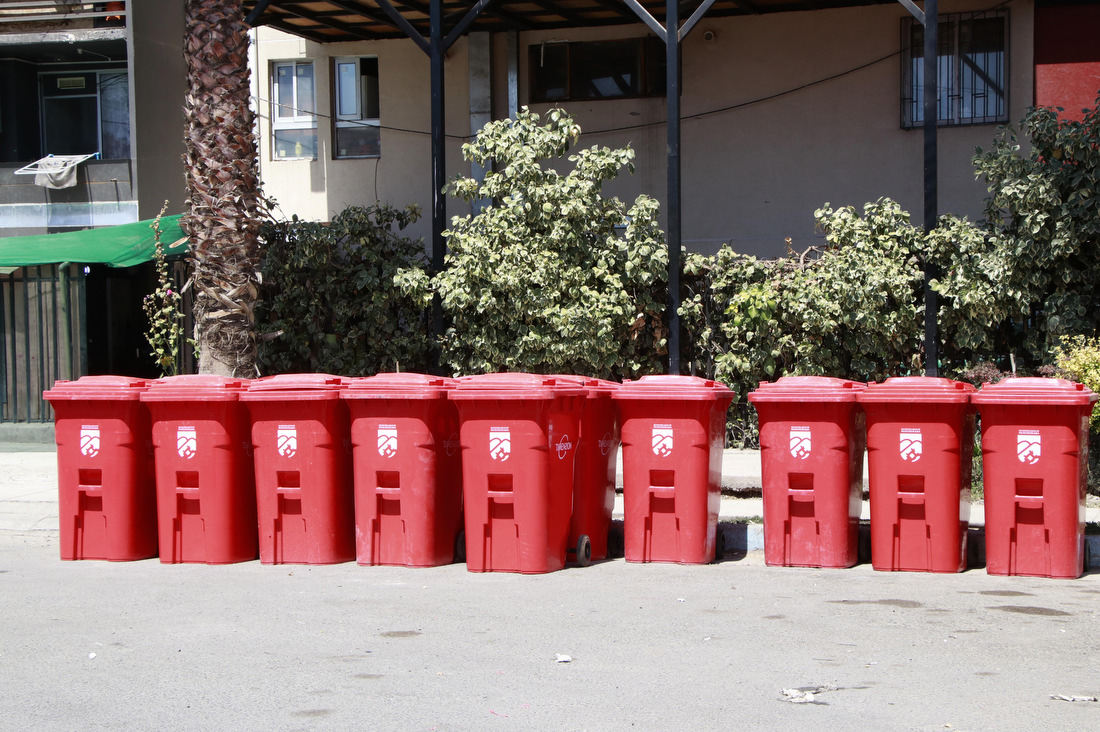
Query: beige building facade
{"x": 782, "y": 113}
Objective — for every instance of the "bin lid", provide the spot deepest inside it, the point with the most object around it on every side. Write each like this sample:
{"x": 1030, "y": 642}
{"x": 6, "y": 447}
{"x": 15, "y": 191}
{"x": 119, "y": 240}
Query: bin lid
{"x": 294, "y": 387}
{"x": 1035, "y": 390}
{"x": 188, "y": 387}
{"x": 593, "y": 386}
{"x": 514, "y": 385}
{"x": 917, "y": 389}
{"x": 807, "y": 389}
{"x": 406, "y": 385}
{"x": 100, "y": 388}
{"x": 665, "y": 386}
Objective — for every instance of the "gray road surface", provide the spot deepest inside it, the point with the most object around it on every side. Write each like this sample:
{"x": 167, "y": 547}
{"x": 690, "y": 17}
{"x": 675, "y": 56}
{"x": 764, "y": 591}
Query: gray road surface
{"x": 145, "y": 646}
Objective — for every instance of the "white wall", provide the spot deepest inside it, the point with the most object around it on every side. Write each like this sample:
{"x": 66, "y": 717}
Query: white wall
{"x": 753, "y": 174}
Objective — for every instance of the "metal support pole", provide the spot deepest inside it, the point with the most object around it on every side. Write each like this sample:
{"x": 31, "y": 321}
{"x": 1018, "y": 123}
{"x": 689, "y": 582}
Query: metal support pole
{"x": 439, "y": 150}
{"x": 672, "y": 86}
{"x": 63, "y": 284}
{"x": 931, "y": 194}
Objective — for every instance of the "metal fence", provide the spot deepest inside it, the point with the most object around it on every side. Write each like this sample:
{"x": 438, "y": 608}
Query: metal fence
{"x": 42, "y": 324}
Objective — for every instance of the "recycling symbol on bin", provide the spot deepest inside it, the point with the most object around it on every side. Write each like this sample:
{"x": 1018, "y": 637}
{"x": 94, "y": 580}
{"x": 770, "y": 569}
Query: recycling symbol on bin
{"x": 89, "y": 440}
{"x": 1028, "y": 446}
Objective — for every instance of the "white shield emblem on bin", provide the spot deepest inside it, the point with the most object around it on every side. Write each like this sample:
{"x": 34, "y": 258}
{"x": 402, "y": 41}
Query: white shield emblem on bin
{"x": 500, "y": 443}
{"x": 800, "y": 442}
{"x": 387, "y": 440}
{"x": 286, "y": 440}
{"x": 187, "y": 442}
{"x": 662, "y": 440}
{"x": 89, "y": 440}
{"x": 1028, "y": 446}
{"x": 911, "y": 444}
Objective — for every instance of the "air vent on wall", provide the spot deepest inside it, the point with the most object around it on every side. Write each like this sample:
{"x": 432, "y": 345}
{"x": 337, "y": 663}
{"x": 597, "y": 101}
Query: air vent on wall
{"x": 70, "y": 82}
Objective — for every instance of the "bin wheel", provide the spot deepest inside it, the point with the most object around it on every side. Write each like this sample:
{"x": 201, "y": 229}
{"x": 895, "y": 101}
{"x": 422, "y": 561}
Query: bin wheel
{"x": 584, "y": 550}
{"x": 719, "y": 545}
{"x": 460, "y": 546}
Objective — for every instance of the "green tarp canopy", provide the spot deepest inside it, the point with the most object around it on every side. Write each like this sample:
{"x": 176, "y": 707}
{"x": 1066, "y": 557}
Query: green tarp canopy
{"x": 118, "y": 246}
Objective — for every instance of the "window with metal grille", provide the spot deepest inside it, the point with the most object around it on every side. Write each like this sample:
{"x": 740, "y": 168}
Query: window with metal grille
{"x": 585, "y": 70}
{"x": 972, "y": 64}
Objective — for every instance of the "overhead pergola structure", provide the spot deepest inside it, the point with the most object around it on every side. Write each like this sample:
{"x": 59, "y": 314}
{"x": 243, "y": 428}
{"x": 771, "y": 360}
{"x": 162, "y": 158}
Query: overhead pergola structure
{"x": 435, "y": 26}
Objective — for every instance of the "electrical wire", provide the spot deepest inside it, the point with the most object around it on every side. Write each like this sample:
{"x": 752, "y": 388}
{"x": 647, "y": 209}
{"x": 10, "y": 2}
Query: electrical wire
{"x": 684, "y": 118}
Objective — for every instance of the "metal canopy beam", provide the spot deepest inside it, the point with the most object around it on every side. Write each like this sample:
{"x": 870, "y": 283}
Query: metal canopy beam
{"x": 672, "y": 33}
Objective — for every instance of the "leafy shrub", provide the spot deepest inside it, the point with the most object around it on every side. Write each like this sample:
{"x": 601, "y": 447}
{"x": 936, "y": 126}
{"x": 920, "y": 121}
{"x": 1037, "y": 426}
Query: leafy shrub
{"x": 1078, "y": 358}
{"x": 551, "y": 275}
{"x": 1044, "y": 219}
{"x": 329, "y": 303}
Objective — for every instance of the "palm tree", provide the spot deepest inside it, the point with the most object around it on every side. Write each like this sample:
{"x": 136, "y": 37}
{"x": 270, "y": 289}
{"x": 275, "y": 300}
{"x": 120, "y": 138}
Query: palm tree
{"x": 223, "y": 187}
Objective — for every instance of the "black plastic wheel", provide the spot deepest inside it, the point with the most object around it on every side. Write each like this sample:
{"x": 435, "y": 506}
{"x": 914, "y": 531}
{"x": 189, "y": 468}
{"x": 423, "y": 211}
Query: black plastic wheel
{"x": 584, "y": 550}
{"x": 460, "y": 546}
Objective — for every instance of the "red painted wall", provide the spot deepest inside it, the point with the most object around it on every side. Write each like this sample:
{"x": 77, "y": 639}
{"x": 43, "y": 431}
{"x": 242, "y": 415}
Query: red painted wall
{"x": 1067, "y": 56}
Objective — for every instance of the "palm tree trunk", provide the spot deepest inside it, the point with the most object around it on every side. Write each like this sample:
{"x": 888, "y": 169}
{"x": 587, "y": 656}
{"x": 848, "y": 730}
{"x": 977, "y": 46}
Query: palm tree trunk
{"x": 223, "y": 187}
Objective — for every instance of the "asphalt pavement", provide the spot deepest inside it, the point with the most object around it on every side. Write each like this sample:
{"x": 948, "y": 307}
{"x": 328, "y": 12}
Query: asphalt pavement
{"x": 92, "y": 645}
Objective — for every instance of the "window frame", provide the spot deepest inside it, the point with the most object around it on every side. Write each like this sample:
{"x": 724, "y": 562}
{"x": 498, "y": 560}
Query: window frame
{"x": 950, "y": 85}
{"x": 95, "y": 92}
{"x": 359, "y": 118}
{"x": 649, "y": 62}
{"x": 298, "y": 120}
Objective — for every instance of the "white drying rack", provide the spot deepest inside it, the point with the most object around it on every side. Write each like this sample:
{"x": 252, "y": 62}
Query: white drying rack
{"x": 50, "y": 164}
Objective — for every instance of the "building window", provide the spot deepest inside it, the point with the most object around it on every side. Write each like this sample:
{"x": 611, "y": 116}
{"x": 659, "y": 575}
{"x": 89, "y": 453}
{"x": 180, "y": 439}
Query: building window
{"x": 86, "y": 112}
{"x": 564, "y": 72}
{"x": 293, "y": 117}
{"x": 356, "y": 128}
{"x": 973, "y": 70}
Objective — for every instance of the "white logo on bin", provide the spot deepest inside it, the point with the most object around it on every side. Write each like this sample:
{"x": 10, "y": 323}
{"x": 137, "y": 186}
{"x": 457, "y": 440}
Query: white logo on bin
{"x": 1028, "y": 446}
{"x": 911, "y": 444}
{"x": 500, "y": 443}
{"x": 450, "y": 445}
{"x": 387, "y": 440}
{"x": 187, "y": 442}
{"x": 606, "y": 443}
{"x": 564, "y": 447}
{"x": 89, "y": 440}
{"x": 800, "y": 442}
{"x": 662, "y": 440}
{"x": 286, "y": 440}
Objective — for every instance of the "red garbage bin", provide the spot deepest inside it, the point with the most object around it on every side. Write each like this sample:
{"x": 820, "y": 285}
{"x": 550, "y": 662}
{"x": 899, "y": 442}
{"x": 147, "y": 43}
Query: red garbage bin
{"x": 594, "y": 469}
{"x": 304, "y": 499}
{"x": 206, "y": 498}
{"x": 518, "y": 434}
{"x": 673, "y": 432}
{"x": 407, "y": 470}
{"x": 107, "y": 499}
{"x": 920, "y": 443}
{"x": 812, "y": 440}
{"x": 1035, "y": 465}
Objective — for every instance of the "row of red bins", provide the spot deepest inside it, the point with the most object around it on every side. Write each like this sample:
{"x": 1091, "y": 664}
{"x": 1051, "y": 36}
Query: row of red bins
{"x": 512, "y": 472}
{"x": 918, "y": 433}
